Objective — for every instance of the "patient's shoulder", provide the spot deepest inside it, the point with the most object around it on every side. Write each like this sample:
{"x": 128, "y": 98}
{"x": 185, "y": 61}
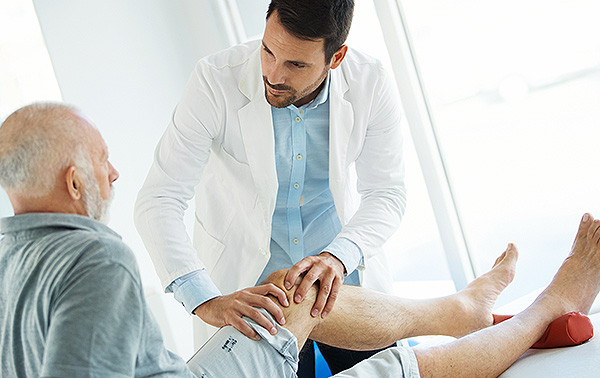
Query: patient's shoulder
{"x": 90, "y": 248}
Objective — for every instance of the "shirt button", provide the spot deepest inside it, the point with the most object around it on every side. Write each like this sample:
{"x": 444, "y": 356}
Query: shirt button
{"x": 296, "y": 241}
{"x": 298, "y": 119}
{"x": 296, "y": 186}
{"x": 298, "y": 157}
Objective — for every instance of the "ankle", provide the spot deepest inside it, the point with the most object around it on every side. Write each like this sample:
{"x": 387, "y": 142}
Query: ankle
{"x": 550, "y": 305}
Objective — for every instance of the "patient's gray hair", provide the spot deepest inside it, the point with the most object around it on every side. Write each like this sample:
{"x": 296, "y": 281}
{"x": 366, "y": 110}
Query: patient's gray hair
{"x": 37, "y": 142}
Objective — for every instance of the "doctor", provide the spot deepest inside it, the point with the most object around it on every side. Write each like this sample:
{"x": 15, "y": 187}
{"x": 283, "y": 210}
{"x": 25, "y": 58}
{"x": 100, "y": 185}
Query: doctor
{"x": 292, "y": 148}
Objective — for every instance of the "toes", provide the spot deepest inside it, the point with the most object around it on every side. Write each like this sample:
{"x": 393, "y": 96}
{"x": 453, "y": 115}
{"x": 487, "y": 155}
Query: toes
{"x": 586, "y": 221}
{"x": 584, "y": 225}
{"x": 499, "y": 259}
{"x": 594, "y": 231}
{"x": 509, "y": 256}
{"x": 583, "y": 232}
{"x": 511, "y": 252}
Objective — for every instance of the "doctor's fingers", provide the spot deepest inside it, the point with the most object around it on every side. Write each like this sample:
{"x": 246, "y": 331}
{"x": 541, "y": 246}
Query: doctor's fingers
{"x": 258, "y": 317}
{"x": 317, "y": 272}
{"x": 273, "y": 290}
{"x": 238, "y": 323}
{"x": 297, "y": 270}
{"x": 328, "y": 293}
{"x": 254, "y": 298}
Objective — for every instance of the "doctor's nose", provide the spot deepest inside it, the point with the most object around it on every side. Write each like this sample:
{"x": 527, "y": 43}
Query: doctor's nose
{"x": 275, "y": 75}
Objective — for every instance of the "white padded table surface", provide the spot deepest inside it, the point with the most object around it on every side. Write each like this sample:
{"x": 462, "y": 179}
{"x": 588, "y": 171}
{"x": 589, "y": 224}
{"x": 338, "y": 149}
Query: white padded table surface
{"x": 582, "y": 361}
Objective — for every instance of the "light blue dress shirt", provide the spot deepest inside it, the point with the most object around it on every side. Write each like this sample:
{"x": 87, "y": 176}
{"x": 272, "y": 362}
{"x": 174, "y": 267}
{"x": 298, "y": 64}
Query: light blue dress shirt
{"x": 305, "y": 221}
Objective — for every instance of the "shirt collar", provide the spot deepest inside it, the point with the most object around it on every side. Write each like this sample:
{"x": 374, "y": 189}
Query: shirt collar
{"x": 30, "y": 222}
{"x": 321, "y": 98}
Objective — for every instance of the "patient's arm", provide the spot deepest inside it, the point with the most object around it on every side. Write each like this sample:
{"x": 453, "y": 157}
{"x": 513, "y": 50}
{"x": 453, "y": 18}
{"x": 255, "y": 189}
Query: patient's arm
{"x": 96, "y": 324}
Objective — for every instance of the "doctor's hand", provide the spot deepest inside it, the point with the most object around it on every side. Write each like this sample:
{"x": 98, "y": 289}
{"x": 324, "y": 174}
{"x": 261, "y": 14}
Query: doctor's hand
{"x": 326, "y": 269}
{"x": 229, "y": 309}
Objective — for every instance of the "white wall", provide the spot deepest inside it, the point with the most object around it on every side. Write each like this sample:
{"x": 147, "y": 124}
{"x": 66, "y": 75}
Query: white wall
{"x": 253, "y": 14}
{"x": 124, "y": 63}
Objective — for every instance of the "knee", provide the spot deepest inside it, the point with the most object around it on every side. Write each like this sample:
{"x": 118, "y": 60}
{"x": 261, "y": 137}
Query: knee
{"x": 277, "y": 278}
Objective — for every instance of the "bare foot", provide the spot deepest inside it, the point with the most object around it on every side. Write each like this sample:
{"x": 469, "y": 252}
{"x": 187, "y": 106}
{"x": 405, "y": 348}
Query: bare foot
{"x": 478, "y": 298}
{"x": 577, "y": 282}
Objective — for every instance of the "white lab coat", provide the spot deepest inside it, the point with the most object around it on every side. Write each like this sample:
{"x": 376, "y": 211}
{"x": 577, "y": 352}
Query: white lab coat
{"x": 220, "y": 143}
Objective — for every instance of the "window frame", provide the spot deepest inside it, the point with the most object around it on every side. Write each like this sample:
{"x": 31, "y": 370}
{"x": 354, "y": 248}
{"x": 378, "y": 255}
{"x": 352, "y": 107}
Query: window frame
{"x": 461, "y": 262}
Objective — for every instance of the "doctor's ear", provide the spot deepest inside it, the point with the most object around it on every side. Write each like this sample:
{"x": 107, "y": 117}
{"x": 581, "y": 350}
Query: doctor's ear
{"x": 339, "y": 56}
{"x": 74, "y": 183}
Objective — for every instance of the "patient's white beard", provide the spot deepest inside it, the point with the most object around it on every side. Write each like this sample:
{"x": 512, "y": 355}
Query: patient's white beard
{"x": 95, "y": 206}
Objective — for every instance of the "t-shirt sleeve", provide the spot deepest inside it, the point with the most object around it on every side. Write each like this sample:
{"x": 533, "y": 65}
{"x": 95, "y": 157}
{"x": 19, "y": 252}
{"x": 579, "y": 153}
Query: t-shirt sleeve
{"x": 95, "y": 323}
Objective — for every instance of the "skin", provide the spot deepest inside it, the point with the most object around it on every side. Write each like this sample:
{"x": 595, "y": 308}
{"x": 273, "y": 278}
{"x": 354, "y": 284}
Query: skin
{"x": 392, "y": 318}
{"x": 481, "y": 350}
{"x": 294, "y": 71}
{"x": 229, "y": 309}
{"x": 104, "y": 171}
{"x": 67, "y": 195}
{"x": 489, "y": 352}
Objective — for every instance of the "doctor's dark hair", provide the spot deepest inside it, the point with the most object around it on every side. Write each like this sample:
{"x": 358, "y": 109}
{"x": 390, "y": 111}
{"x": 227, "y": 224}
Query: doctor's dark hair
{"x": 310, "y": 20}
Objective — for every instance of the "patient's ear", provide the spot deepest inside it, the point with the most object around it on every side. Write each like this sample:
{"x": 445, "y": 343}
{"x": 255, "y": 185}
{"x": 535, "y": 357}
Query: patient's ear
{"x": 74, "y": 183}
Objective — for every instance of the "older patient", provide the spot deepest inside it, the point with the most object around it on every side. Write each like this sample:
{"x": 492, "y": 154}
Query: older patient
{"x": 72, "y": 301}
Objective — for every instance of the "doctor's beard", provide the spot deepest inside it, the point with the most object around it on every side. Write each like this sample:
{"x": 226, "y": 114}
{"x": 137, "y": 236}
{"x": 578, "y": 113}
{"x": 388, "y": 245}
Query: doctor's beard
{"x": 292, "y": 96}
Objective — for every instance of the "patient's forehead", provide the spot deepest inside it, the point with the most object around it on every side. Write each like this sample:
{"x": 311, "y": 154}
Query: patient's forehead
{"x": 90, "y": 134}
{"x": 97, "y": 145}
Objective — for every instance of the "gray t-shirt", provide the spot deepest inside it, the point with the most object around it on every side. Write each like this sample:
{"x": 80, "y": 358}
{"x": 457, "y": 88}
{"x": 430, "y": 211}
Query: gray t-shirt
{"x": 72, "y": 303}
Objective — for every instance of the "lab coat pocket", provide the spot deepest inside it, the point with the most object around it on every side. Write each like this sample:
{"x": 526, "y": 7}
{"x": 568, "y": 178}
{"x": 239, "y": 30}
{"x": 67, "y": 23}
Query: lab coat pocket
{"x": 209, "y": 249}
{"x": 237, "y": 177}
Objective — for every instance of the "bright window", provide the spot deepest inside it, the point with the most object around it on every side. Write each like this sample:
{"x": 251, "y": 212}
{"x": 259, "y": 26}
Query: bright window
{"x": 514, "y": 94}
{"x": 26, "y": 73}
{"x": 415, "y": 251}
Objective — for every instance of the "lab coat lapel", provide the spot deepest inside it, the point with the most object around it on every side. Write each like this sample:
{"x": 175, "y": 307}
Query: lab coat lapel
{"x": 341, "y": 122}
{"x": 256, "y": 127}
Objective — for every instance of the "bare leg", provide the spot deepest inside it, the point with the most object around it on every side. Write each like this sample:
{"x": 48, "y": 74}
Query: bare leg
{"x": 487, "y": 353}
{"x": 378, "y": 320}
